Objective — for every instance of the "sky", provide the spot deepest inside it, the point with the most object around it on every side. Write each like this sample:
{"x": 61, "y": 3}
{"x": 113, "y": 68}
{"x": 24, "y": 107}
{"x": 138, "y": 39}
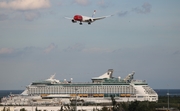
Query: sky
{"x": 36, "y": 41}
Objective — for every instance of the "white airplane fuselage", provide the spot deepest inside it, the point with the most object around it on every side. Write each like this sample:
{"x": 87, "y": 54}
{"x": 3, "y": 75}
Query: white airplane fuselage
{"x": 89, "y": 20}
{"x": 81, "y": 19}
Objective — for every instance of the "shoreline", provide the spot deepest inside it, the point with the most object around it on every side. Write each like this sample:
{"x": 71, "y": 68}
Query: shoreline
{"x": 47, "y": 108}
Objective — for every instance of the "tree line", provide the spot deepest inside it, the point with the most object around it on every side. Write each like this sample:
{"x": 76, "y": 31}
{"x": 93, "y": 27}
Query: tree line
{"x": 174, "y": 102}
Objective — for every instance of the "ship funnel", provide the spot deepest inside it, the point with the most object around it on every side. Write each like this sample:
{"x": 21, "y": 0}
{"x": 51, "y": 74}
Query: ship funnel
{"x": 108, "y": 74}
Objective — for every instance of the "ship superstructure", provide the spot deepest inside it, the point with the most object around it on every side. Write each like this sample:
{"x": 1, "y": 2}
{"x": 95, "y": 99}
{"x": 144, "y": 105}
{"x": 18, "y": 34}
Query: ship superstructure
{"x": 99, "y": 90}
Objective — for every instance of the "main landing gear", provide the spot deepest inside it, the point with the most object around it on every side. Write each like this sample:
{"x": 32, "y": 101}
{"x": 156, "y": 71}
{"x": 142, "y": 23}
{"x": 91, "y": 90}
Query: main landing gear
{"x": 80, "y": 23}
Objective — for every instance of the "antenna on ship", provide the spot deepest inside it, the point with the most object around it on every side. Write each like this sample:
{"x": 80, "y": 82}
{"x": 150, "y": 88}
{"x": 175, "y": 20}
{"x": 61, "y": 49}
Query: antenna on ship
{"x": 119, "y": 78}
{"x": 71, "y": 80}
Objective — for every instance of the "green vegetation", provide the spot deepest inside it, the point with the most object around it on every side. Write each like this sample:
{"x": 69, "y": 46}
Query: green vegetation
{"x": 22, "y": 109}
{"x": 174, "y": 102}
{"x": 6, "y": 109}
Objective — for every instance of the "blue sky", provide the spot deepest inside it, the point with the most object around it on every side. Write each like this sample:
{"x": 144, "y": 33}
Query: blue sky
{"x": 36, "y": 41}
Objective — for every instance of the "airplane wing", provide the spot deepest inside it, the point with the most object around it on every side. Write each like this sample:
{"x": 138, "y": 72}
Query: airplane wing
{"x": 99, "y": 18}
{"x": 68, "y": 18}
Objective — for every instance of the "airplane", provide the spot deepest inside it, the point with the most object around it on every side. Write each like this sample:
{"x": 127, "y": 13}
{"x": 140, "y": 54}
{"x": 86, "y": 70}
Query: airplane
{"x": 89, "y": 20}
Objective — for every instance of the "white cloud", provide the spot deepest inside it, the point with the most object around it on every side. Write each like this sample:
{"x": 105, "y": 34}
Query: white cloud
{"x": 146, "y": 8}
{"x": 6, "y": 50}
{"x": 104, "y": 4}
{"x": 3, "y": 17}
{"x": 78, "y": 47}
{"x": 75, "y": 47}
{"x": 122, "y": 13}
{"x": 25, "y": 4}
{"x": 82, "y": 2}
{"x": 97, "y": 50}
{"x": 30, "y": 16}
{"x": 50, "y": 48}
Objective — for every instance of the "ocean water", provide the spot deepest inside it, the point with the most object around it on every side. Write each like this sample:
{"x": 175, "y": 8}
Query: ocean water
{"x": 5, "y": 93}
{"x": 172, "y": 92}
{"x": 160, "y": 92}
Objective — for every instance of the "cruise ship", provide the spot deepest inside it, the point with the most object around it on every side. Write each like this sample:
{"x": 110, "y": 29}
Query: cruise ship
{"x": 100, "y": 90}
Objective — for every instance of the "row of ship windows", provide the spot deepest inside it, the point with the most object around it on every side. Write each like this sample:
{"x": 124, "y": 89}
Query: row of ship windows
{"x": 114, "y": 86}
{"x": 84, "y": 88}
{"x": 63, "y": 90}
{"x": 82, "y": 91}
{"x": 73, "y": 88}
{"x": 148, "y": 90}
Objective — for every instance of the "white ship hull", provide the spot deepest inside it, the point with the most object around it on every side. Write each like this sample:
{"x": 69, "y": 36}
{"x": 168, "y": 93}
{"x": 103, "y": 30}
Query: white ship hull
{"x": 102, "y": 88}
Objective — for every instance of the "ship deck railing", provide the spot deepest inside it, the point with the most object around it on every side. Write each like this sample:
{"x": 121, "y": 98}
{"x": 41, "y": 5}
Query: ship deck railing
{"x": 138, "y": 81}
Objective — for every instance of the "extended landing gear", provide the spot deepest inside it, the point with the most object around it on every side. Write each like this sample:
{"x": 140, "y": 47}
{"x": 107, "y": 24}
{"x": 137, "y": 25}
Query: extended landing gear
{"x": 89, "y": 23}
{"x": 80, "y": 23}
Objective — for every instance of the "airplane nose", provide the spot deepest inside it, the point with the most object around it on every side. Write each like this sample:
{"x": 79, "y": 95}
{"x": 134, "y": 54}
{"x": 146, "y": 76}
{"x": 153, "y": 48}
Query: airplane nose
{"x": 78, "y": 17}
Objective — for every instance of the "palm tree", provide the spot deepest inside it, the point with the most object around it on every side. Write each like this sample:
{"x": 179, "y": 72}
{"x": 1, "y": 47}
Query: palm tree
{"x": 22, "y": 109}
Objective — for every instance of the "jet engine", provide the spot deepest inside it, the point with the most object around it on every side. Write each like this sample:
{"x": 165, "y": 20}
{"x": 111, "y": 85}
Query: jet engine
{"x": 73, "y": 21}
{"x": 90, "y": 20}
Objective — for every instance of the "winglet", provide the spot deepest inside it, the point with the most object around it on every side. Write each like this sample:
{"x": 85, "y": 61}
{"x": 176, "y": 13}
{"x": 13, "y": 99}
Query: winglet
{"x": 93, "y": 13}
